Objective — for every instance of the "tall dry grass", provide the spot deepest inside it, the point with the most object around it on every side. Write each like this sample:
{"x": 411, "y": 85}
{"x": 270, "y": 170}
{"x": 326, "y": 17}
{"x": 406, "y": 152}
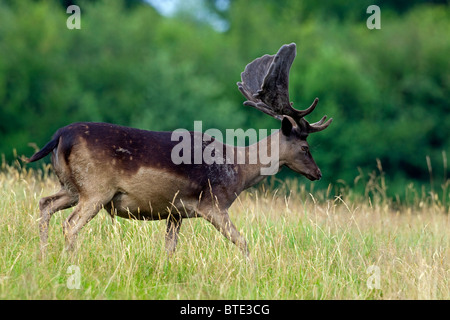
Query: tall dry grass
{"x": 304, "y": 244}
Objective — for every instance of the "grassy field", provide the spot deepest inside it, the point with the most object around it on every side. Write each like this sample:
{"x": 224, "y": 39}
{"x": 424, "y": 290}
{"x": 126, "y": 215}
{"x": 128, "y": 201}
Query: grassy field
{"x": 303, "y": 244}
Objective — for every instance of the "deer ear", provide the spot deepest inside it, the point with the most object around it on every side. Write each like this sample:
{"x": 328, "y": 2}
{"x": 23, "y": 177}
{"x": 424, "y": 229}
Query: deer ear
{"x": 287, "y": 124}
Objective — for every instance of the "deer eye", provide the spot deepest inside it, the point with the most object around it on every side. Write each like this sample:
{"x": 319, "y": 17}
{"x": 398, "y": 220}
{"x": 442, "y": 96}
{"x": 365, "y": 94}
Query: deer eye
{"x": 305, "y": 149}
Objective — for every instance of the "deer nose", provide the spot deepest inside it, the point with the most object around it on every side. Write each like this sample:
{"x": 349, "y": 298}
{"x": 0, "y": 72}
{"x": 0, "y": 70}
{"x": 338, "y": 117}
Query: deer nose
{"x": 319, "y": 174}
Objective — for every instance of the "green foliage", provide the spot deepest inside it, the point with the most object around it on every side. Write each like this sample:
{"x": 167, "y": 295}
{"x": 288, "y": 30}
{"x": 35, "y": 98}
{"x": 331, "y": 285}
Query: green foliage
{"x": 387, "y": 90}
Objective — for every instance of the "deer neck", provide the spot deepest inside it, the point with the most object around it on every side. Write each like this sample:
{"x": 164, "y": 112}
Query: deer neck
{"x": 262, "y": 159}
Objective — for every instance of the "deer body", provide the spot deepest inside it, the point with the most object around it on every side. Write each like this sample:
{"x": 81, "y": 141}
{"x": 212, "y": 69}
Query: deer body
{"x": 130, "y": 173}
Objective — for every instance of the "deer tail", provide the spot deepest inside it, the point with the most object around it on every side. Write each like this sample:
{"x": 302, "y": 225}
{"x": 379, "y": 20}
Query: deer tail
{"x": 46, "y": 149}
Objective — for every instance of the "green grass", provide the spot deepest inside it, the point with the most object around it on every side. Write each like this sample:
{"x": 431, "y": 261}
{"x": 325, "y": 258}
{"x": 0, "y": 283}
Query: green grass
{"x": 303, "y": 246}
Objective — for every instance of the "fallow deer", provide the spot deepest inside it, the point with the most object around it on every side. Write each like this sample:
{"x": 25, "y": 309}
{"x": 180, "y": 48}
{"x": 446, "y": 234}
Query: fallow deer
{"x": 129, "y": 172}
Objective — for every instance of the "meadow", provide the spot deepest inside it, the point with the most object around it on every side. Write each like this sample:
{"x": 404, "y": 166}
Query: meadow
{"x": 304, "y": 244}
{"x": 359, "y": 233}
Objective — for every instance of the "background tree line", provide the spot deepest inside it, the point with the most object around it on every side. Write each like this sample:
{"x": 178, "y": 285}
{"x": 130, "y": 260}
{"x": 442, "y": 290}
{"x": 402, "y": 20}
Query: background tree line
{"x": 388, "y": 90}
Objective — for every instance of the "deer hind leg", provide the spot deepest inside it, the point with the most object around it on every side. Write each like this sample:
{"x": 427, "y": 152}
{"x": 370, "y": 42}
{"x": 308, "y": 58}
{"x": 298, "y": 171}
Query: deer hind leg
{"x": 48, "y": 206}
{"x": 221, "y": 221}
{"x": 81, "y": 215}
{"x": 173, "y": 229}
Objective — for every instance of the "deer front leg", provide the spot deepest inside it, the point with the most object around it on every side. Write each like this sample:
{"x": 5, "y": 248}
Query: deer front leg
{"x": 173, "y": 228}
{"x": 221, "y": 221}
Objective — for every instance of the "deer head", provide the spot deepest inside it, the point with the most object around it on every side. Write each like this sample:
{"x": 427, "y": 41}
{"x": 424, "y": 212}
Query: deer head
{"x": 265, "y": 85}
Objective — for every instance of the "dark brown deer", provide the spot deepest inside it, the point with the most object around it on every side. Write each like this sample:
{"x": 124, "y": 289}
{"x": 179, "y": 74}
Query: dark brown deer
{"x": 130, "y": 172}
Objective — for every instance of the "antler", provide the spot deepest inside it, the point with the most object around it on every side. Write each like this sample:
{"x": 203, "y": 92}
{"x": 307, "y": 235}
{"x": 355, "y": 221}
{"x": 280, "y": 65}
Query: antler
{"x": 265, "y": 84}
